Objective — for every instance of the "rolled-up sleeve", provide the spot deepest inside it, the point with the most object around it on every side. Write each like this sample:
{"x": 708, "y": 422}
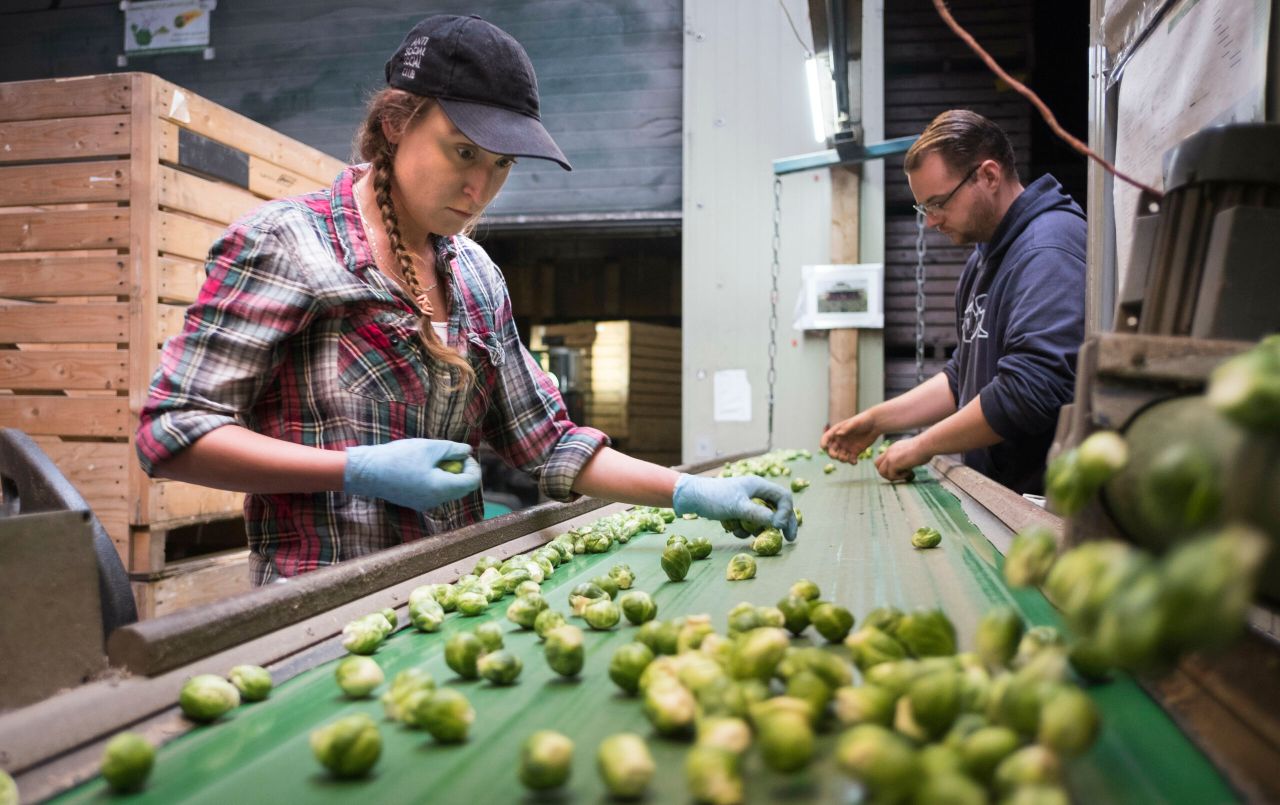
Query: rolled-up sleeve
{"x": 526, "y": 421}
{"x": 218, "y": 365}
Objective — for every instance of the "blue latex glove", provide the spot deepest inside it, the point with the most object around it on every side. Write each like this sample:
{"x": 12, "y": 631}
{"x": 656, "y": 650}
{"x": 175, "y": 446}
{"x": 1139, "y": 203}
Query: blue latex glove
{"x": 404, "y": 472}
{"x": 730, "y": 499}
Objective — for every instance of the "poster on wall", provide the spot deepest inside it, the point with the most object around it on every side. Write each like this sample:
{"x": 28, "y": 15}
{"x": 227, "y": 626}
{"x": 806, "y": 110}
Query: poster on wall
{"x": 166, "y": 26}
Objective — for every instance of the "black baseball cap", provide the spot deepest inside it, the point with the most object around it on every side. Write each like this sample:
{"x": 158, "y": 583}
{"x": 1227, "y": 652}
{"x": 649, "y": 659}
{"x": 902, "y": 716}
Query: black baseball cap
{"x": 482, "y": 78}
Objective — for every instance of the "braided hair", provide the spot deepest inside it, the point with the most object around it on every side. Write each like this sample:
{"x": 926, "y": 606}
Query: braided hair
{"x": 399, "y": 110}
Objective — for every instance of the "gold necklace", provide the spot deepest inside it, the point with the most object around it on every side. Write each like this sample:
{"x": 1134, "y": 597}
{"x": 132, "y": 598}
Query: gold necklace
{"x": 423, "y": 300}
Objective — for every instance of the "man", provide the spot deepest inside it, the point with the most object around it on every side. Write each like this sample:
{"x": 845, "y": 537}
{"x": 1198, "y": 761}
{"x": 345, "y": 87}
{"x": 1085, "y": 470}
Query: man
{"x": 1020, "y": 305}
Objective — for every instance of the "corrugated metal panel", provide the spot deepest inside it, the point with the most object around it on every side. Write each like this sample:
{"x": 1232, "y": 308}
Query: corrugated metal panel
{"x": 929, "y": 70}
{"x": 610, "y": 73}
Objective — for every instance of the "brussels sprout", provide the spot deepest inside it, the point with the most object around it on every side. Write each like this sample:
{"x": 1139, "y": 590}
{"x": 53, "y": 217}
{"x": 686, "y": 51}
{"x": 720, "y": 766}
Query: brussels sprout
{"x": 1132, "y": 624}
{"x": 724, "y": 732}
{"x": 886, "y": 619}
{"x": 669, "y": 706}
{"x": 486, "y": 563}
{"x": 1034, "y": 641}
{"x": 926, "y": 633}
{"x": 602, "y": 615}
{"x": 126, "y": 763}
{"x": 623, "y": 576}
{"x": 638, "y": 607}
{"x": 461, "y": 652}
{"x": 445, "y": 713}
{"x": 869, "y": 647}
{"x": 883, "y": 761}
{"x": 444, "y": 594}
{"x": 1030, "y": 557}
{"x": 807, "y": 686}
{"x": 952, "y": 788}
{"x": 771, "y": 616}
{"x": 676, "y": 560}
{"x": 677, "y": 539}
{"x": 799, "y": 485}
{"x": 998, "y": 635}
{"x": 784, "y": 732}
{"x": 363, "y": 636}
{"x": 692, "y": 632}
{"x": 8, "y": 789}
{"x": 607, "y": 583}
{"x": 625, "y": 765}
{"x": 473, "y": 602}
{"x": 597, "y": 542}
{"x": 984, "y": 749}
{"x": 1089, "y": 661}
{"x": 500, "y": 667}
{"x": 795, "y": 613}
{"x": 868, "y": 704}
{"x": 1085, "y": 578}
{"x": 349, "y": 746}
{"x": 741, "y": 567}
{"x": 426, "y": 614}
{"x": 253, "y": 682}
{"x": 564, "y": 650}
{"x": 805, "y": 589}
{"x": 405, "y": 686}
{"x": 713, "y": 776}
{"x": 208, "y": 697}
{"x": 547, "y": 620}
{"x": 528, "y": 587}
{"x": 926, "y": 537}
{"x": 743, "y": 618}
{"x": 524, "y": 610}
{"x": 700, "y": 548}
{"x": 829, "y": 468}
{"x": 1209, "y": 583}
{"x": 767, "y": 542}
{"x": 935, "y": 701}
{"x": 937, "y": 760}
{"x": 832, "y": 622}
{"x": 1037, "y": 795}
{"x": 546, "y": 758}
{"x": 628, "y": 664}
{"x": 1246, "y": 389}
{"x": 1181, "y": 488}
{"x": 1030, "y": 765}
{"x": 490, "y": 635}
{"x": 1065, "y": 485}
{"x": 1068, "y": 721}
{"x": 583, "y": 595}
{"x": 757, "y": 653}
{"x": 660, "y": 636}
{"x": 1016, "y": 700}
{"x": 358, "y": 676}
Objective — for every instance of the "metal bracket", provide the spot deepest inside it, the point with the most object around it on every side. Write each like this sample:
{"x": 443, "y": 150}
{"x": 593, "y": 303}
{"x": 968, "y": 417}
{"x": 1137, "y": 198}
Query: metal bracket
{"x": 843, "y": 154}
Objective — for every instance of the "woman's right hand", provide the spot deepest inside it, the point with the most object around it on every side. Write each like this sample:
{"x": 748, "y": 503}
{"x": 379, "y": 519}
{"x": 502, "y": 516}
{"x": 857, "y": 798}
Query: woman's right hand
{"x": 406, "y": 472}
{"x": 844, "y": 440}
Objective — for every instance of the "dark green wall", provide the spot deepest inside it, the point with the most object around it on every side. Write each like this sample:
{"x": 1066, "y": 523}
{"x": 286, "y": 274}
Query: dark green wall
{"x": 610, "y": 73}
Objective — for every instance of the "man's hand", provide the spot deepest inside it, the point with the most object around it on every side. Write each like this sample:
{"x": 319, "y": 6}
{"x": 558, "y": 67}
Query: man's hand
{"x": 406, "y": 472}
{"x": 902, "y": 457}
{"x": 730, "y": 499}
{"x": 844, "y": 440}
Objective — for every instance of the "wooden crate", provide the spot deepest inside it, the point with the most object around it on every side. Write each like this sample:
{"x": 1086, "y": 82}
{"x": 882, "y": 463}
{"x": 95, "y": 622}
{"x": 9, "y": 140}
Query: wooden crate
{"x": 632, "y": 376}
{"x": 112, "y": 189}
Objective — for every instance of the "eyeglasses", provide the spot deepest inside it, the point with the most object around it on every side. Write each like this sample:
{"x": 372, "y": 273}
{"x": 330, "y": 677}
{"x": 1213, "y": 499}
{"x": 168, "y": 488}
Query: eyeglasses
{"x": 934, "y": 207}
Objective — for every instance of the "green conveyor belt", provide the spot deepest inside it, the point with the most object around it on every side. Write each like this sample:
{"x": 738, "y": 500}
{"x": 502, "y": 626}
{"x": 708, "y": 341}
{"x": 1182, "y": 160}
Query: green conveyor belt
{"x": 855, "y": 544}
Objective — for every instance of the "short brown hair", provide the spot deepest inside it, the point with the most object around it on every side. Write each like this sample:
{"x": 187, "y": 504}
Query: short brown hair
{"x": 962, "y": 138}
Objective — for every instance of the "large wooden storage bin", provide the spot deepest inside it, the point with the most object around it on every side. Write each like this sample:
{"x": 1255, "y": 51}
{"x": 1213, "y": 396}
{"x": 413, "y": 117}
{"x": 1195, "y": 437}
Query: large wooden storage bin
{"x": 631, "y": 375}
{"x": 112, "y": 189}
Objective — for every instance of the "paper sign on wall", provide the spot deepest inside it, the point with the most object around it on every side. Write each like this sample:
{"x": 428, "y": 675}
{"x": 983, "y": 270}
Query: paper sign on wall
{"x": 166, "y": 25}
{"x": 732, "y": 396}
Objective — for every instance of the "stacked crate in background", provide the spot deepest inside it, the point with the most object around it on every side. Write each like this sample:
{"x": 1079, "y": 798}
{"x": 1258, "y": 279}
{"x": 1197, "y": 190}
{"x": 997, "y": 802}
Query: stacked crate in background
{"x": 112, "y": 189}
{"x": 630, "y": 380}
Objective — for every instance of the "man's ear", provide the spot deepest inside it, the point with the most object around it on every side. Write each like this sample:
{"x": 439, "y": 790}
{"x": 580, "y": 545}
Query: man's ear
{"x": 991, "y": 172}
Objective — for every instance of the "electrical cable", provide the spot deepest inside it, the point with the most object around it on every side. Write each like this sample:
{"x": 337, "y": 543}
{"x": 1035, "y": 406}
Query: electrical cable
{"x": 1026, "y": 92}
{"x": 808, "y": 54}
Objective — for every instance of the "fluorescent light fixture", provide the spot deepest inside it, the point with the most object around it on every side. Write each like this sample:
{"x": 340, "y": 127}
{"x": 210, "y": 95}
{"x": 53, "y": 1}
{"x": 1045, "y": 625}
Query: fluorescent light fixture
{"x": 814, "y": 83}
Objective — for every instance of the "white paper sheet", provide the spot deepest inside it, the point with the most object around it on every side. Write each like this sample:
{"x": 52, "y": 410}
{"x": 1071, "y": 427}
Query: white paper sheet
{"x": 732, "y": 396}
{"x": 1204, "y": 64}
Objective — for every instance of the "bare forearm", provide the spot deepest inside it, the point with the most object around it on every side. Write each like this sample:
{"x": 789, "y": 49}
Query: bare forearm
{"x": 617, "y": 476}
{"x": 235, "y": 458}
{"x": 966, "y": 429}
{"x": 924, "y": 405}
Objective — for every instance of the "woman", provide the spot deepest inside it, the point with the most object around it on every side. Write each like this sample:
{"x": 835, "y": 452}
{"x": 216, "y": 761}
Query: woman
{"x": 349, "y": 342}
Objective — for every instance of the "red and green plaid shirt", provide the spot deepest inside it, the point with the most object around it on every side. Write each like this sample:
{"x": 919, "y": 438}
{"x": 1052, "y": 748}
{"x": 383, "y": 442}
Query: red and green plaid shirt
{"x": 298, "y": 336}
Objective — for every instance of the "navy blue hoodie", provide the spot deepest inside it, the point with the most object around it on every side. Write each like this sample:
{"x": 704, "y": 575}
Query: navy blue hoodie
{"x": 1020, "y": 321}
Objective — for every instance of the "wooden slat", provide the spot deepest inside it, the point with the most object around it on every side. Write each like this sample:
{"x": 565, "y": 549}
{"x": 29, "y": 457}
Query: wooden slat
{"x": 174, "y": 504}
{"x": 219, "y": 202}
{"x": 186, "y": 237}
{"x": 64, "y": 183}
{"x": 63, "y": 276}
{"x": 64, "y": 138}
{"x": 179, "y": 280}
{"x": 105, "y": 369}
{"x": 64, "y": 230}
{"x": 193, "y": 583}
{"x": 65, "y": 416}
{"x": 202, "y": 116}
{"x": 169, "y": 321}
{"x": 64, "y": 323}
{"x": 269, "y": 180}
{"x": 65, "y": 97}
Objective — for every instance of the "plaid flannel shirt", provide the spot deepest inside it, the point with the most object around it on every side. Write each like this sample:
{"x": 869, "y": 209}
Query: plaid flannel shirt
{"x": 297, "y": 335}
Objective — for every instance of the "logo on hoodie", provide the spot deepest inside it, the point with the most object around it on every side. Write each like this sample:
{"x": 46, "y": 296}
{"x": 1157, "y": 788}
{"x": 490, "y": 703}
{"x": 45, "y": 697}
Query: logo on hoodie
{"x": 971, "y": 329}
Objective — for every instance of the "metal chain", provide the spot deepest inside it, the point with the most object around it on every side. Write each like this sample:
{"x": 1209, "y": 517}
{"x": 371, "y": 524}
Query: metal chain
{"x": 773, "y": 301}
{"x": 920, "y": 252}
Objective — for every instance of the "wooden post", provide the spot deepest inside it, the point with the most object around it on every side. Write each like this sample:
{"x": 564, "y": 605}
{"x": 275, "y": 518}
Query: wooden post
{"x": 842, "y": 372}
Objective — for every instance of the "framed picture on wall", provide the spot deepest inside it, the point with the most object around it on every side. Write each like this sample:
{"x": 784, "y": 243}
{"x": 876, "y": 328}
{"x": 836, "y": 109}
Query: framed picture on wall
{"x": 841, "y": 296}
